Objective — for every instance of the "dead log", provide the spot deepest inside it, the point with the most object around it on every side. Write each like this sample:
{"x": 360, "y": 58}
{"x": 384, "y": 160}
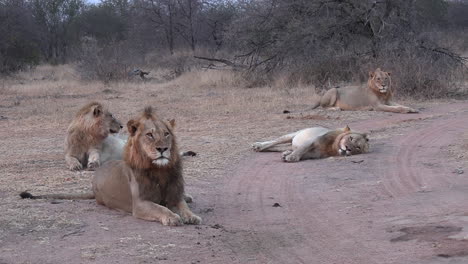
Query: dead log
{"x": 234, "y": 66}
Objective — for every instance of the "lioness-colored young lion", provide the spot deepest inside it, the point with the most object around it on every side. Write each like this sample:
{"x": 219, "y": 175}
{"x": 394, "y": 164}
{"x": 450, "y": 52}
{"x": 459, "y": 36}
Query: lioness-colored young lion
{"x": 148, "y": 182}
{"x": 318, "y": 142}
{"x": 86, "y": 133}
{"x": 376, "y": 96}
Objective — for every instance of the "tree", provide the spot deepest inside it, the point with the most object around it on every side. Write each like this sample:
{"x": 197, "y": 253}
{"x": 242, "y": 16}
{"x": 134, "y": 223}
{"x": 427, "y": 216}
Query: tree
{"x": 19, "y": 38}
{"x": 55, "y": 17}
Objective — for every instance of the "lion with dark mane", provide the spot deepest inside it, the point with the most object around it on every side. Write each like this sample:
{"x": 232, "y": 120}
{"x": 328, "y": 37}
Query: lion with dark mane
{"x": 377, "y": 96}
{"x": 148, "y": 182}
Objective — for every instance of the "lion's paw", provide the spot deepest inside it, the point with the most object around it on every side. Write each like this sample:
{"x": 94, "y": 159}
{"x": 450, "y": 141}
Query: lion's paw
{"x": 192, "y": 220}
{"x": 335, "y": 108}
{"x": 92, "y": 165}
{"x": 257, "y": 146}
{"x": 174, "y": 220}
{"x": 75, "y": 165}
{"x": 411, "y": 110}
{"x": 285, "y": 153}
{"x": 291, "y": 158}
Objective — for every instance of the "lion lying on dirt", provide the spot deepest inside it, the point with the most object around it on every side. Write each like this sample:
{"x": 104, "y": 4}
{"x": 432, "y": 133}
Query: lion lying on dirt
{"x": 318, "y": 142}
{"x": 376, "y": 96}
{"x": 148, "y": 183}
{"x": 86, "y": 134}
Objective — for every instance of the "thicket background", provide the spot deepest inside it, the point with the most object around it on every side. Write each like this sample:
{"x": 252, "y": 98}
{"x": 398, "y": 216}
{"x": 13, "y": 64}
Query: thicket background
{"x": 265, "y": 42}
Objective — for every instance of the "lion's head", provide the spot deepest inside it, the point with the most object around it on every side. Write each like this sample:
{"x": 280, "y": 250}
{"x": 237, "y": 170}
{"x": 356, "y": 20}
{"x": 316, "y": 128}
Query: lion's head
{"x": 152, "y": 143}
{"x": 96, "y": 120}
{"x": 380, "y": 81}
{"x": 352, "y": 143}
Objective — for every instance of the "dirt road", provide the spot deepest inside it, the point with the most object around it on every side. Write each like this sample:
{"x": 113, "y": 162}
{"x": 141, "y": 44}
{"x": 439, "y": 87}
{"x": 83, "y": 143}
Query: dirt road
{"x": 405, "y": 202}
{"x": 398, "y": 204}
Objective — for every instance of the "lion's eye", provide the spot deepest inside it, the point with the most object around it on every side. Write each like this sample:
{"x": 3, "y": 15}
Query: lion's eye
{"x": 166, "y": 134}
{"x": 358, "y": 148}
{"x": 149, "y": 135}
{"x": 378, "y": 79}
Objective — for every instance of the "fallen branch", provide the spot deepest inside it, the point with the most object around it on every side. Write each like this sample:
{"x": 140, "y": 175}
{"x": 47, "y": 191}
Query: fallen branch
{"x": 235, "y": 66}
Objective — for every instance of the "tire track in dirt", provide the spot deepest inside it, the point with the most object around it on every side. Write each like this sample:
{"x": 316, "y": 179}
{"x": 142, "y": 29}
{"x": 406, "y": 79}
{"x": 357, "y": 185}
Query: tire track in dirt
{"x": 407, "y": 158}
{"x": 257, "y": 207}
{"x": 310, "y": 226}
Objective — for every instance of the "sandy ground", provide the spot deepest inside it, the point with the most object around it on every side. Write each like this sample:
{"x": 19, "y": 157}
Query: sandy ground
{"x": 401, "y": 203}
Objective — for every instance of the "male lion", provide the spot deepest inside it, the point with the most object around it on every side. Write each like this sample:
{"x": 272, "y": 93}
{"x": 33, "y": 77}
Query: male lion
{"x": 376, "y": 96}
{"x": 148, "y": 182}
{"x": 318, "y": 142}
{"x": 86, "y": 133}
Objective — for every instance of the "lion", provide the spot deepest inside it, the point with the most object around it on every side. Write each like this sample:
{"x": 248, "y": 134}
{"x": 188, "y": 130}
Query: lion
{"x": 85, "y": 136}
{"x": 114, "y": 144}
{"x": 148, "y": 182}
{"x": 376, "y": 96}
{"x": 318, "y": 142}
{"x": 93, "y": 138}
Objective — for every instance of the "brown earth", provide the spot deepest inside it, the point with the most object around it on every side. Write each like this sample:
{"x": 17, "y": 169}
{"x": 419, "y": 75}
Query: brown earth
{"x": 401, "y": 203}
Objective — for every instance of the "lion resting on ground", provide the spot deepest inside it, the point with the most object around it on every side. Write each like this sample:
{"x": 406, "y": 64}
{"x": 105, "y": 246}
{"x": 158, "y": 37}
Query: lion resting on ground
{"x": 148, "y": 182}
{"x": 376, "y": 96}
{"x": 318, "y": 142}
{"x": 92, "y": 138}
{"x": 86, "y": 134}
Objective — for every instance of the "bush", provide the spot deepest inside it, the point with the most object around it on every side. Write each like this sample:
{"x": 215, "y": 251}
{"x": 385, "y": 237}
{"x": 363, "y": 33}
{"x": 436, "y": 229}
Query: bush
{"x": 110, "y": 63}
{"x": 324, "y": 43}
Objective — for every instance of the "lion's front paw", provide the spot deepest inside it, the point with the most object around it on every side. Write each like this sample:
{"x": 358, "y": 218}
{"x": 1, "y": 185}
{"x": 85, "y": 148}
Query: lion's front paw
{"x": 335, "y": 108}
{"x": 75, "y": 165}
{"x": 291, "y": 158}
{"x": 92, "y": 165}
{"x": 257, "y": 146}
{"x": 411, "y": 110}
{"x": 285, "y": 153}
{"x": 192, "y": 219}
{"x": 173, "y": 220}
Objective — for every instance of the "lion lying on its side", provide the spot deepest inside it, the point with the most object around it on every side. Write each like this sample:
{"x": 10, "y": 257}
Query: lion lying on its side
{"x": 376, "y": 96}
{"x": 318, "y": 142}
{"x": 148, "y": 183}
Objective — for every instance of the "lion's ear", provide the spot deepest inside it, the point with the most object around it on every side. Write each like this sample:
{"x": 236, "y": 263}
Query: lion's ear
{"x": 347, "y": 129}
{"x": 172, "y": 123}
{"x": 389, "y": 73}
{"x": 97, "y": 110}
{"x": 371, "y": 74}
{"x": 132, "y": 127}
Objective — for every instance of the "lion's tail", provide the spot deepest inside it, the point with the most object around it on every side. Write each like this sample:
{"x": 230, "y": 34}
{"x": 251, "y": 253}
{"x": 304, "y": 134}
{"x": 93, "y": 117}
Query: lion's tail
{"x": 75, "y": 196}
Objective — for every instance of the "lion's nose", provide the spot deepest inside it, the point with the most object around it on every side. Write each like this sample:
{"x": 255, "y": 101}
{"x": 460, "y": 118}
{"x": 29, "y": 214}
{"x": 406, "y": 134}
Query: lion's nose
{"x": 161, "y": 150}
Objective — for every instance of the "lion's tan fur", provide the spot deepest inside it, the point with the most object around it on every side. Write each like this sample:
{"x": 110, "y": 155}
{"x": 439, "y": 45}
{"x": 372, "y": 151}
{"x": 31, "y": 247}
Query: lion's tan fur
{"x": 85, "y": 135}
{"x": 317, "y": 142}
{"x": 377, "y": 96}
{"x": 142, "y": 184}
